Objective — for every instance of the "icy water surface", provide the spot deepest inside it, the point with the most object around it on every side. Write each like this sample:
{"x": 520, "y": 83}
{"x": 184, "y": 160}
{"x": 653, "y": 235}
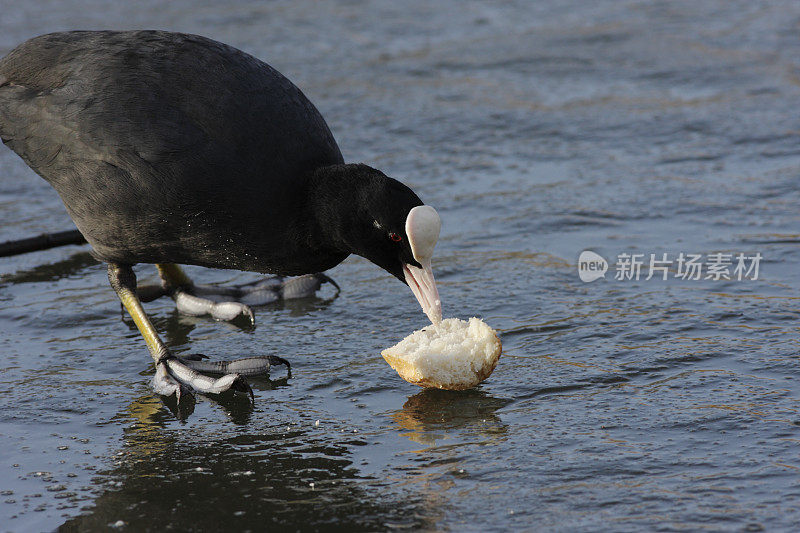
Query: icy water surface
{"x": 539, "y": 130}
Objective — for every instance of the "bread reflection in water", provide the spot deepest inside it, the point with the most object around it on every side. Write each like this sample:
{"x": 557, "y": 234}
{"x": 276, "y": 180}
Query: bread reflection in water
{"x": 435, "y": 415}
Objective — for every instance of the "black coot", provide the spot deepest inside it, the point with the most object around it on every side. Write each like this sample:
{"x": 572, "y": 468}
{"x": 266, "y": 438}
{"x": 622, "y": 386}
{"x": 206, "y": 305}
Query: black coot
{"x": 169, "y": 148}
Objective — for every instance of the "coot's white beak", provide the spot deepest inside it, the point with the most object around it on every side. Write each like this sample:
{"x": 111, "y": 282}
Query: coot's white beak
{"x": 422, "y": 227}
{"x": 424, "y": 288}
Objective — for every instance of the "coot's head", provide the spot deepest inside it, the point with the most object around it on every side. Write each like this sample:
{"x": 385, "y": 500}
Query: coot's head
{"x": 384, "y": 221}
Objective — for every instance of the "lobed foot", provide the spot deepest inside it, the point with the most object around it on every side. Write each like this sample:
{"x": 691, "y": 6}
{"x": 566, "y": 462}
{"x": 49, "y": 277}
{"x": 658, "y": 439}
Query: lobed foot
{"x": 165, "y": 385}
{"x": 248, "y": 366}
{"x": 192, "y": 305}
{"x": 265, "y": 291}
{"x": 173, "y": 376}
{"x": 181, "y": 375}
{"x": 230, "y": 303}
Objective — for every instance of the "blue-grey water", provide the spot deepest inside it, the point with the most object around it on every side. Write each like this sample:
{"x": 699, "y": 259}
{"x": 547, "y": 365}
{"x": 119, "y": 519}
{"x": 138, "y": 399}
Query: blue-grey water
{"x": 538, "y": 130}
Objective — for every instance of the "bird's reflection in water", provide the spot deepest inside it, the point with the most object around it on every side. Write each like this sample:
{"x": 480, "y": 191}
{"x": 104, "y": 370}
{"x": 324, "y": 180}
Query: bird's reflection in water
{"x": 52, "y": 271}
{"x": 272, "y": 477}
{"x": 238, "y": 407}
{"x": 434, "y": 415}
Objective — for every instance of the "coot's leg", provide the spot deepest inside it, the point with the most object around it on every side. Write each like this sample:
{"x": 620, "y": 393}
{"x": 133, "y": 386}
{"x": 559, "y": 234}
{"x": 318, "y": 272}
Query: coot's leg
{"x": 172, "y": 375}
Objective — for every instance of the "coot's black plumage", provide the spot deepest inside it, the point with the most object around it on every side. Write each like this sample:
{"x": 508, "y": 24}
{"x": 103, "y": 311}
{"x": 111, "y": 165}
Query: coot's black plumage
{"x": 172, "y": 148}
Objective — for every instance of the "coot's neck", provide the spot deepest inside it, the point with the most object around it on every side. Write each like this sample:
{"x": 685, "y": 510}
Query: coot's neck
{"x": 336, "y": 195}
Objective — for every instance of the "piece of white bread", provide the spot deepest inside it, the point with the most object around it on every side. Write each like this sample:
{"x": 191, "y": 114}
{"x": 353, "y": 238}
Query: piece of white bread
{"x": 455, "y": 355}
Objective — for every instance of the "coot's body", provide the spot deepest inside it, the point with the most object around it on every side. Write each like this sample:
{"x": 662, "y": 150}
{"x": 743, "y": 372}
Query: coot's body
{"x": 175, "y": 149}
{"x": 171, "y": 148}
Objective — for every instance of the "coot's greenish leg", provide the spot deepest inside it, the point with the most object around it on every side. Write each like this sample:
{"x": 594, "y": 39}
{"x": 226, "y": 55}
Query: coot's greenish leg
{"x": 123, "y": 281}
{"x": 181, "y": 288}
{"x": 174, "y": 376}
{"x": 173, "y": 276}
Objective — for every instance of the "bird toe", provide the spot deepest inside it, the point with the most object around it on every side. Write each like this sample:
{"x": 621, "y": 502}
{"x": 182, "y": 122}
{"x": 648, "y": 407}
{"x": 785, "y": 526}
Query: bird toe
{"x": 229, "y": 311}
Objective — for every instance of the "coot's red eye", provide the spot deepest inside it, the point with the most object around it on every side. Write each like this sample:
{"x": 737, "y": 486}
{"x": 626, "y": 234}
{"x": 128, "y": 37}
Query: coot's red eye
{"x": 395, "y": 237}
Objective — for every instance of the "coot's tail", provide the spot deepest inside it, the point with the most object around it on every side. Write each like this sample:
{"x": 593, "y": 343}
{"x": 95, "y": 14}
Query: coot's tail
{"x": 42, "y": 242}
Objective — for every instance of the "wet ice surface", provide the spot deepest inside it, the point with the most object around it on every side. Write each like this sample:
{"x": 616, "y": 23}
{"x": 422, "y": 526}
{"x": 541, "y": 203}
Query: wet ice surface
{"x": 537, "y": 132}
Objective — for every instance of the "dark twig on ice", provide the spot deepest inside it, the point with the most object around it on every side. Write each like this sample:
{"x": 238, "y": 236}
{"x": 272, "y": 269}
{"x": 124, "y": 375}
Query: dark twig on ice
{"x": 41, "y": 242}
